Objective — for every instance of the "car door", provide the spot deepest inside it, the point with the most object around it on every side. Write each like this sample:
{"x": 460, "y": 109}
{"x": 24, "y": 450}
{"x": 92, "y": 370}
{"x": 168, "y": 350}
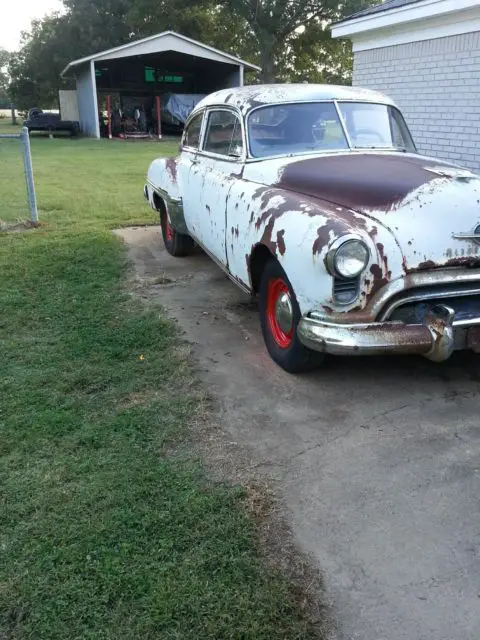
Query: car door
{"x": 190, "y": 144}
{"x": 216, "y": 165}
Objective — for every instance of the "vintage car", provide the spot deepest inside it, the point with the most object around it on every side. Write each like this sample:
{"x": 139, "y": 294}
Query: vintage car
{"x": 315, "y": 198}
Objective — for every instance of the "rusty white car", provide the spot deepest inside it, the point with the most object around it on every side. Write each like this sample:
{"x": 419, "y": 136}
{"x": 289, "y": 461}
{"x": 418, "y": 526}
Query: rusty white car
{"x": 315, "y": 199}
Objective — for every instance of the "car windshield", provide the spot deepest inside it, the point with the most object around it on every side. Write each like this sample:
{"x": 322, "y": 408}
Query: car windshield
{"x": 375, "y": 126}
{"x": 303, "y": 127}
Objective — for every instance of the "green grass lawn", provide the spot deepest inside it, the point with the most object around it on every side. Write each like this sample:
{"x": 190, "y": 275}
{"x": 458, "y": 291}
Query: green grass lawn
{"x": 103, "y": 533}
{"x": 13, "y": 198}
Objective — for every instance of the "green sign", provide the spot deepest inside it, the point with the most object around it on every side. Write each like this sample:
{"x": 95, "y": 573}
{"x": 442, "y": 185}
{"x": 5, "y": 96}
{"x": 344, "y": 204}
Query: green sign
{"x": 150, "y": 76}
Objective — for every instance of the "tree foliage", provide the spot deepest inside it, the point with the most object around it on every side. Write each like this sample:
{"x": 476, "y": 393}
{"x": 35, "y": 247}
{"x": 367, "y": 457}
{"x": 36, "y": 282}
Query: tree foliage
{"x": 293, "y": 38}
{"x": 289, "y": 39}
{"x": 4, "y": 79}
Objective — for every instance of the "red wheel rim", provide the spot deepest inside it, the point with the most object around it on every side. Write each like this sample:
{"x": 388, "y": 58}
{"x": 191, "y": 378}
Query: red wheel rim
{"x": 276, "y": 289}
{"x": 168, "y": 228}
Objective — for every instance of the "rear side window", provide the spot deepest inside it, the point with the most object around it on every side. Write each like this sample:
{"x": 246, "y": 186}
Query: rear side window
{"x": 191, "y": 135}
{"x": 224, "y": 134}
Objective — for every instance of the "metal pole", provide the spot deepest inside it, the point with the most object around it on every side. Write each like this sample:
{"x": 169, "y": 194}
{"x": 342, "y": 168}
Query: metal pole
{"x": 27, "y": 163}
{"x": 159, "y": 119}
{"x": 109, "y": 117}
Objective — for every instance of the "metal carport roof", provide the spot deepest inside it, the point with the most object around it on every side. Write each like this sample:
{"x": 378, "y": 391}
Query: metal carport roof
{"x": 166, "y": 41}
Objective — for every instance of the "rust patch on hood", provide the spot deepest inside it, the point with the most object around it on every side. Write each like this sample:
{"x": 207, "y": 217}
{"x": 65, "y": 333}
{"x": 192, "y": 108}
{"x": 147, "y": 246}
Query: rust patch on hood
{"x": 281, "y": 242}
{"x": 359, "y": 181}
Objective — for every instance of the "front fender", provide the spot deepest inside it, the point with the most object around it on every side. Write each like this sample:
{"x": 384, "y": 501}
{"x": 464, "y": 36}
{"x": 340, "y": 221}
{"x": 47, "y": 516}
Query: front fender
{"x": 299, "y": 232}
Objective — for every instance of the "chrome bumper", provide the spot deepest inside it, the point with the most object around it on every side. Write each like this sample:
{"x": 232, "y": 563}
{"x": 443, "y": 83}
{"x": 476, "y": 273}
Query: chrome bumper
{"x": 436, "y": 339}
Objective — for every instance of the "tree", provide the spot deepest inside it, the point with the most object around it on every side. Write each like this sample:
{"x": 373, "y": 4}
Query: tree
{"x": 86, "y": 27}
{"x": 278, "y": 27}
{"x": 313, "y": 56}
{"x": 4, "y": 79}
{"x": 290, "y": 39}
{"x": 203, "y": 20}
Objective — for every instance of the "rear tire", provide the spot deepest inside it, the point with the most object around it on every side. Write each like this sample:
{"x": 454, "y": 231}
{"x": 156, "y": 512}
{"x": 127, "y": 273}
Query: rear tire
{"x": 177, "y": 244}
{"x": 279, "y": 318}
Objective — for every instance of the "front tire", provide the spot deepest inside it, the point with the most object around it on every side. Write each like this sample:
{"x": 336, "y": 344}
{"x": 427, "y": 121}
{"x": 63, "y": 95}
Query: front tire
{"x": 177, "y": 244}
{"x": 279, "y": 317}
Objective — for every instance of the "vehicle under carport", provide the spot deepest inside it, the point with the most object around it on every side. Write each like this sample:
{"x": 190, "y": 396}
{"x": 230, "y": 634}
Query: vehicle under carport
{"x": 126, "y": 89}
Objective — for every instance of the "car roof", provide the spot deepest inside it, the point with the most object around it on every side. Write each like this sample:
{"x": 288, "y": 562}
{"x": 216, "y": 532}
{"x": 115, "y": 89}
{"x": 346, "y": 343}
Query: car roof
{"x": 249, "y": 97}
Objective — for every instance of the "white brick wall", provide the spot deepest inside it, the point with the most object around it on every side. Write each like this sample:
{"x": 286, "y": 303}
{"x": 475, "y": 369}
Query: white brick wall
{"x": 436, "y": 83}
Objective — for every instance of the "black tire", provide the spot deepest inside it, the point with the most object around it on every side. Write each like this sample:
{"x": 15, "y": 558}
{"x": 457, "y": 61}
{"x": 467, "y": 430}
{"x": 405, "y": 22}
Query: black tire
{"x": 284, "y": 348}
{"x": 177, "y": 244}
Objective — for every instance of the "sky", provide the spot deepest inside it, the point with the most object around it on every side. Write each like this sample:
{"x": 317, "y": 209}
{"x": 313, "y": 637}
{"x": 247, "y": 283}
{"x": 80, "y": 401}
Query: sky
{"x": 20, "y": 16}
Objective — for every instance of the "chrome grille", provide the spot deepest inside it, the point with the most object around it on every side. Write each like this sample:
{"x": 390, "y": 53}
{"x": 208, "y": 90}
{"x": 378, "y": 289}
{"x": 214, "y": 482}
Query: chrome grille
{"x": 411, "y": 305}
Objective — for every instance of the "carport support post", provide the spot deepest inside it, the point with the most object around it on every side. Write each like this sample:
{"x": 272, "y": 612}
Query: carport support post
{"x": 159, "y": 120}
{"x": 27, "y": 163}
{"x": 109, "y": 117}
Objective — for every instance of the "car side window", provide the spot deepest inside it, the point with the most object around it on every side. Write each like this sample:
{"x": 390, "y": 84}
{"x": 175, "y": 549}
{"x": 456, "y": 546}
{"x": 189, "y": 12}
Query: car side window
{"x": 224, "y": 134}
{"x": 191, "y": 135}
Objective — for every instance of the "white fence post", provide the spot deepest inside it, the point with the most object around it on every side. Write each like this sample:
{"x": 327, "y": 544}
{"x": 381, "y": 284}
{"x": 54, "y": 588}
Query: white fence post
{"x": 24, "y": 137}
{"x": 27, "y": 163}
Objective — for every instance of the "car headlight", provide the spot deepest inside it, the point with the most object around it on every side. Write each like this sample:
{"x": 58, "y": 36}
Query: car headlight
{"x": 349, "y": 258}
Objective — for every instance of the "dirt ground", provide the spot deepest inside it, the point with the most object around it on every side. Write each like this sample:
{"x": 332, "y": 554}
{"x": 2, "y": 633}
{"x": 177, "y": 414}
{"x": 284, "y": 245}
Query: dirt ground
{"x": 377, "y": 461}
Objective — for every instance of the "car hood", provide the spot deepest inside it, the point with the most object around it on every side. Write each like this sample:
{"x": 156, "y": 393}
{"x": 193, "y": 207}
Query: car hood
{"x": 424, "y": 202}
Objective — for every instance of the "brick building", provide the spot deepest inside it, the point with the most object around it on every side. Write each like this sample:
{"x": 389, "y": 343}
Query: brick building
{"x": 425, "y": 54}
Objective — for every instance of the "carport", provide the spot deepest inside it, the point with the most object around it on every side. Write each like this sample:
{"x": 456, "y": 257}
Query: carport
{"x": 140, "y": 77}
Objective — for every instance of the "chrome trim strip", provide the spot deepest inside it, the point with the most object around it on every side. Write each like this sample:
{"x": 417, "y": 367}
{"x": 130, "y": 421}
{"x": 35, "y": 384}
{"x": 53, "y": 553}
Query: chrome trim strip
{"x": 466, "y": 236}
{"x": 472, "y": 322}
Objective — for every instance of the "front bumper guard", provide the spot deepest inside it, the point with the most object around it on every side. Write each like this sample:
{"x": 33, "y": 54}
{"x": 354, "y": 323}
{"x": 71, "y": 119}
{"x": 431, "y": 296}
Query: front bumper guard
{"x": 434, "y": 339}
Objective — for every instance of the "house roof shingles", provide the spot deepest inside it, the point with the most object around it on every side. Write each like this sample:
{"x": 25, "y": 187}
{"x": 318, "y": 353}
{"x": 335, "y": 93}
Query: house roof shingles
{"x": 385, "y": 6}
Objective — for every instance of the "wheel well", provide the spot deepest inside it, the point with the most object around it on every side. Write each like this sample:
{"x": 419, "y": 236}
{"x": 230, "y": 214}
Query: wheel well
{"x": 159, "y": 203}
{"x": 258, "y": 259}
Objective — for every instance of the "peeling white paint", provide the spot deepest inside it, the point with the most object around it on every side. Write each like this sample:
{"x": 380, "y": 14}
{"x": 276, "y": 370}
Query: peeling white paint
{"x": 232, "y": 206}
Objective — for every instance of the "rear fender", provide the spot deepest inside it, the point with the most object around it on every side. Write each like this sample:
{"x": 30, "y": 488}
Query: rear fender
{"x": 164, "y": 189}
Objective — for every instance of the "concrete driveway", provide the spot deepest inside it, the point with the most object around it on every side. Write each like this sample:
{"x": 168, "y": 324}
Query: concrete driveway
{"x": 378, "y": 460}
